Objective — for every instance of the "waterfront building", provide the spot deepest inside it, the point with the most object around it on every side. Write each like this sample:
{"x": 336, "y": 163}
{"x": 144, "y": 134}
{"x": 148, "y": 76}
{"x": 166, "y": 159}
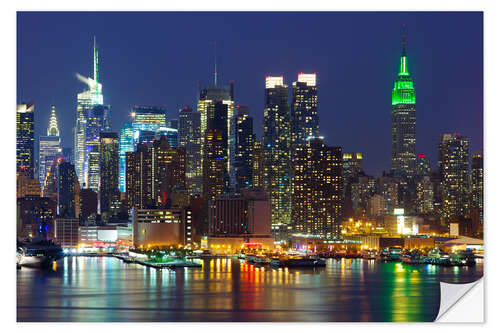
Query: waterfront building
{"x": 25, "y": 138}
{"x": 244, "y": 148}
{"x": 190, "y": 140}
{"x": 126, "y": 145}
{"x": 49, "y": 146}
{"x": 35, "y": 217}
{"x": 216, "y": 108}
{"x": 317, "y": 189}
{"x": 109, "y": 195}
{"x": 403, "y": 120}
{"x": 477, "y": 183}
{"x": 304, "y": 110}
{"x": 258, "y": 165}
{"x": 162, "y": 227}
{"x": 67, "y": 232}
{"x": 88, "y": 102}
{"x": 277, "y": 161}
{"x": 423, "y": 166}
{"x": 25, "y": 185}
{"x": 454, "y": 165}
{"x": 245, "y": 214}
{"x": 425, "y": 196}
{"x": 110, "y": 236}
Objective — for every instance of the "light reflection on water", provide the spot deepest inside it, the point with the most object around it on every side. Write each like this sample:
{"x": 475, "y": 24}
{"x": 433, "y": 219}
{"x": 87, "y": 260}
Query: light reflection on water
{"x": 107, "y": 289}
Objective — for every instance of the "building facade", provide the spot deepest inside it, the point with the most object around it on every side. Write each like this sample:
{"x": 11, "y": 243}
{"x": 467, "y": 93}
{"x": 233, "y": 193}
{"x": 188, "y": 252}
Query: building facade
{"x": 109, "y": 194}
{"x": 317, "y": 190}
{"x": 245, "y": 139}
{"x": 190, "y": 140}
{"x": 49, "y": 147}
{"x": 25, "y": 138}
{"x": 126, "y": 145}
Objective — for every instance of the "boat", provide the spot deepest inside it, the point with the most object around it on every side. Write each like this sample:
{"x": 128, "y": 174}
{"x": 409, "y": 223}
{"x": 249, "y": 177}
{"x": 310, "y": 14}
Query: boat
{"x": 369, "y": 254}
{"x": 298, "y": 261}
{"x": 37, "y": 252}
{"x": 463, "y": 258}
{"x": 413, "y": 257}
{"x": 437, "y": 256}
{"x": 392, "y": 253}
{"x": 261, "y": 259}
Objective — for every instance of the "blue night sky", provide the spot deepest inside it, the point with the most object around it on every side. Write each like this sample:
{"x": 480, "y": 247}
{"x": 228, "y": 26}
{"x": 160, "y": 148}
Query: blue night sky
{"x": 157, "y": 59}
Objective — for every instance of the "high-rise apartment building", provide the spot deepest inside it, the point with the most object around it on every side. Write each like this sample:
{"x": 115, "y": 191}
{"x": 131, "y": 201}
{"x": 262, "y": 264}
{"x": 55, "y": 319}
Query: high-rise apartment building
{"x": 258, "y": 165}
{"x": 304, "y": 110}
{"x": 403, "y": 119}
{"x": 277, "y": 161}
{"x": 317, "y": 189}
{"x": 477, "y": 183}
{"x": 25, "y": 138}
{"x": 215, "y": 175}
{"x": 425, "y": 196}
{"x": 454, "y": 166}
{"x": 245, "y": 139}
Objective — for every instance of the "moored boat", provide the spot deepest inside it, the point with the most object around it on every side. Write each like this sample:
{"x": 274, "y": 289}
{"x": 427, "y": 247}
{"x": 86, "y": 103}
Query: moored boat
{"x": 37, "y": 253}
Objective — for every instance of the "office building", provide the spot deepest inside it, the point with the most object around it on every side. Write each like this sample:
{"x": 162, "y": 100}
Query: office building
{"x": 317, "y": 189}
{"x": 425, "y": 196}
{"x": 25, "y": 138}
{"x": 258, "y": 165}
{"x": 215, "y": 175}
{"x": 126, "y": 145}
{"x": 162, "y": 227}
{"x": 147, "y": 118}
{"x": 26, "y": 186}
{"x": 109, "y": 194}
{"x": 190, "y": 140}
{"x": 403, "y": 119}
{"x": 171, "y": 134}
{"x": 423, "y": 166}
{"x": 139, "y": 177}
{"x": 67, "y": 232}
{"x": 49, "y": 146}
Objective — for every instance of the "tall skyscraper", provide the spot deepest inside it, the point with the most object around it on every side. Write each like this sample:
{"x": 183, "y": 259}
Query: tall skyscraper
{"x": 454, "y": 165}
{"x": 109, "y": 194}
{"x": 126, "y": 145}
{"x": 244, "y": 148}
{"x": 93, "y": 172}
{"x": 425, "y": 196}
{"x": 49, "y": 147}
{"x": 352, "y": 169}
{"x": 277, "y": 161}
{"x": 304, "y": 110}
{"x": 25, "y": 138}
{"x": 477, "y": 183}
{"x": 215, "y": 176}
{"x": 403, "y": 119}
{"x": 86, "y": 102}
{"x": 139, "y": 177}
{"x": 215, "y": 104}
{"x": 190, "y": 140}
{"x": 62, "y": 186}
{"x": 98, "y": 121}
{"x": 317, "y": 189}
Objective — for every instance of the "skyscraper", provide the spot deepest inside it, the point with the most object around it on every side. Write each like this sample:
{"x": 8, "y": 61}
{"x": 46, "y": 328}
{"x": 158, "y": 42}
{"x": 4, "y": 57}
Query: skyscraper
{"x": 86, "y": 102}
{"x": 425, "y": 196}
{"x": 352, "y": 169}
{"x": 477, "y": 183}
{"x": 190, "y": 140}
{"x": 304, "y": 110}
{"x": 171, "y": 134}
{"x": 317, "y": 189}
{"x": 215, "y": 177}
{"x": 403, "y": 119}
{"x": 139, "y": 177}
{"x": 109, "y": 193}
{"x": 216, "y": 103}
{"x": 244, "y": 148}
{"x": 62, "y": 186}
{"x": 98, "y": 121}
{"x": 454, "y": 165}
{"x": 49, "y": 147}
{"x": 277, "y": 161}
{"x": 423, "y": 166}
{"x": 93, "y": 174}
{"x": 148, "y": 118}
{"x": 25, "y": 138}
{"x": 126, "y": 145}
{"x": 258, "y": 165}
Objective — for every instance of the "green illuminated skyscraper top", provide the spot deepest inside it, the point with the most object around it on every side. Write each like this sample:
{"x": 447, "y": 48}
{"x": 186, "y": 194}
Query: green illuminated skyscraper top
{"x": 403, "y": 118}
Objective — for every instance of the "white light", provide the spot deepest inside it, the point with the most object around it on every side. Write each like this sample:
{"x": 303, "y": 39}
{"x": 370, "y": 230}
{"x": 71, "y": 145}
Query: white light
{"x": 273, "y": 81}
{"x": 309, "y": 79}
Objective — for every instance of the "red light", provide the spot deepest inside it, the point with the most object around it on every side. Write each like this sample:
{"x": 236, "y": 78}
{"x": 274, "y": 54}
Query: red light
{"x": 422, "y": 155}
{"x": 300, "y": 73}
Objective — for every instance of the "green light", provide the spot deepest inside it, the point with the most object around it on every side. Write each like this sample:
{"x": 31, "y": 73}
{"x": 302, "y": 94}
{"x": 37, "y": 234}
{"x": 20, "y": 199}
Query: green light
{"x": 403, "y": 91}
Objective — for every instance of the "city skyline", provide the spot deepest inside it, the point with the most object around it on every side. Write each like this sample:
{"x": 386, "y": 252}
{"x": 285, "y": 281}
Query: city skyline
{"x": 332, "y": 93}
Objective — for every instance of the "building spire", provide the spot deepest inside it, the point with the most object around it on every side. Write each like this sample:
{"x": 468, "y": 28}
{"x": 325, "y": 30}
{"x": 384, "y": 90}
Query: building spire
{"x": 215, "y": 64}
{"x": 403, "y": 67}
{"x": 403, "y": 39}
{"x": 96, "y": 63}
{"x": 53, "y": 129}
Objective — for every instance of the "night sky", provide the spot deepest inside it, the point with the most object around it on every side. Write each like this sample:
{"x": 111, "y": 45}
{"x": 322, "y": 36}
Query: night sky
{"x": 157, "y": 59}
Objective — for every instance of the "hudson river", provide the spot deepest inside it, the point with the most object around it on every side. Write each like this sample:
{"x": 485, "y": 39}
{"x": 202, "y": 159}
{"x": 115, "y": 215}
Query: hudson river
{"x": 107, "y": 289}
